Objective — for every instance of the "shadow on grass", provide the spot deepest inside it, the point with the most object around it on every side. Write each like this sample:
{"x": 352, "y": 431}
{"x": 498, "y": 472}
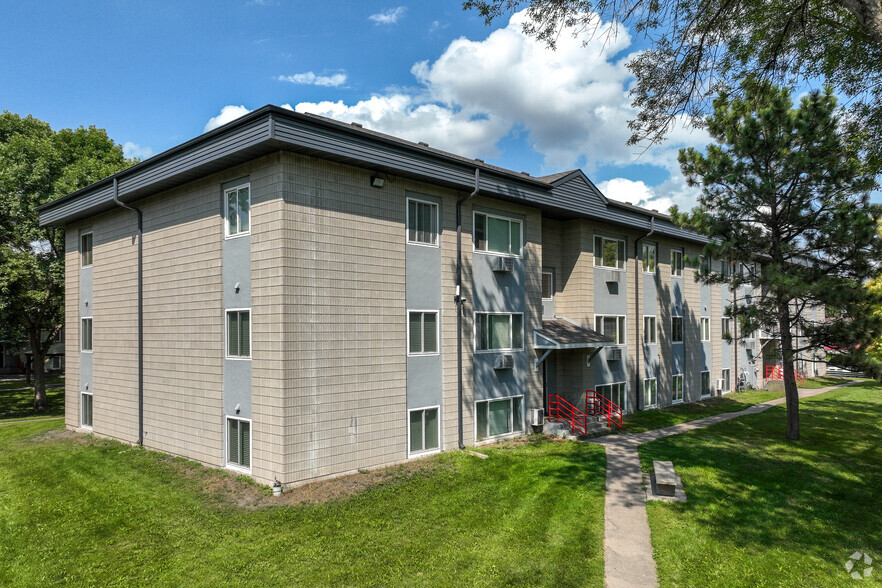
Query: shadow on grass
{"x": 751, "y": 490}
{"x": 17, "y": 403}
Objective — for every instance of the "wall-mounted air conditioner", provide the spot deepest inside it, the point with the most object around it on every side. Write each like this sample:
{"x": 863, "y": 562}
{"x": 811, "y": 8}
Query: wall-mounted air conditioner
{"x": 720, "y": 383}
{"x": 504, "y": 362}
{"x": 614, "y": 354}
{"x": 537, "y": 416}
{"x": 502, "y": 264}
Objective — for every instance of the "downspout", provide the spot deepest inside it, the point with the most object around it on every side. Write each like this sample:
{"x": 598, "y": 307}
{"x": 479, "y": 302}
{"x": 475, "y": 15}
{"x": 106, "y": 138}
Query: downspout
{"x": 459, "y": 298}
{"x": 137, "y": 211}
{"x": 637, "y": 316}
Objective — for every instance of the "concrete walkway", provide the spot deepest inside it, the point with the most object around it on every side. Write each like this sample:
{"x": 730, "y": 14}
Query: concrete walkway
{"x": 627, "y": 551}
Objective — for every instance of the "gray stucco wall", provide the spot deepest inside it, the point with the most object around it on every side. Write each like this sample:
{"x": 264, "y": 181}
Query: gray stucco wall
{"x": 86, "y": 310}
{"x": 423, "y": 292}
{"x": 237, "y": 272}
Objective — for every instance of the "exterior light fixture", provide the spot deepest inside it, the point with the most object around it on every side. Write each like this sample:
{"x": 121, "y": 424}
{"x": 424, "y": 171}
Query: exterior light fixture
{"x": 377, "y": 181}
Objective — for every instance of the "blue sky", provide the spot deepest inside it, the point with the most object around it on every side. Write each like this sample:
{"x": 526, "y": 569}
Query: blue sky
{"x": 157, "y": 74}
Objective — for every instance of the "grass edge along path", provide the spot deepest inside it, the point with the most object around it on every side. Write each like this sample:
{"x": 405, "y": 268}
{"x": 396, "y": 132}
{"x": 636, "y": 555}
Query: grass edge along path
{"x": 83, "y": 510}
{"x": 763, "y": 511}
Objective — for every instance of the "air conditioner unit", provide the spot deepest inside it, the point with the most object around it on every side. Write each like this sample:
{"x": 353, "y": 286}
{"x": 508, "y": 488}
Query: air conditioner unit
{"x": 537, "y": 416}
{"x": 504, "y": 362}
{"x": 720, "y": 383}
{"x": 613, "y": 277}
{"x": 502, "y": 264}
{"x": 614, "y": 354}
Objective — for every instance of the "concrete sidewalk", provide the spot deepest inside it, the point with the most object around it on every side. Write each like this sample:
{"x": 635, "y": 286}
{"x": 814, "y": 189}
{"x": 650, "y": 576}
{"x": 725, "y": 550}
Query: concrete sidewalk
{"x": 627, "y": 551}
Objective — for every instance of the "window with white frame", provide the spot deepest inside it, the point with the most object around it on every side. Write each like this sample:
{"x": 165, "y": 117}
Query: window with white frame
{"x": 650, "y": 393}
{"x": 609, "y": 252}
{"x": 497, "y": 234}
{"x": 86, "y": 410}
{"x": 239, "y": 442}
{"x": 423, "y": 427}
{"x": 724, "y": 269}
{"x": 676, "y": 262}
{"x": 649, "y": 251}
{"x": 615, "y": 393}
{"x": 547, "y": 285}
{"x": 239, "y": 333}
{"x": 726, "y": 376}
{"x": 705, "y": 263}
{"x": 725, "y": 326}
{"x": 677, "y": 388}
{"x": 499, "y": 331}
{"x": 85, "y": 249}
{"x": 55, "y": 362}
{"x": 650, "y": 329}
{"x": 705, "y": 328}
{"x": 422, "y": 222}
{"x": 86, "y": 334}
{"x": 676, "y": 329}
{"x": 499, "y": 417}
{"x": 611, "y": 326}
{"x": 238, "y": 207}
{"x": 422, "y": 332}
{"x": 705, "y": 384}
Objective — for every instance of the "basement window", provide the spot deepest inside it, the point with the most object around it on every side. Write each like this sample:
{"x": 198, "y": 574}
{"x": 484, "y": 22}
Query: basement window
{"x": 239, "y": 443}
{"x": 86, "y": 410}
{"x": 423, "y": 430}
{"x": 499, "y": 417}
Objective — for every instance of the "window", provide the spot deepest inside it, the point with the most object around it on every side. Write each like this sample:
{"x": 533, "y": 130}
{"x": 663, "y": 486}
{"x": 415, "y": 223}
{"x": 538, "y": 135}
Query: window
{"x": 238, "y": 333}
{"x": 676, "y": 262}
{"x": 615, "y": 393}
{"x": 86, "y": 334}
{"x": 726, "y": 376}
{"x": 705, "y": 328}
{"x": 239, "y": 443}
{"x": 499, "y": 417}
{"x": 650, "y": 393}
{"x": 725, "y": 325}
{"x": 86, "y": 249}
{"x": 547, "y": 285}
{"x": 677, "y": 388}
{"x": 86, "y": 410}
{"x": 55, "y": 362}
{"x": 724, "y": 269}
{"x": 238, "y": 204}
{"x": 611, "y": 326}
{"x": 423, "y": 430}
{"x": 676, "y": 329}
{"x": 649, "y": 258}
{"x": 609, "y": 252}
{"x": 650, "y": 329}
{"x": 422, "y": 332}
{"x": 705, "y": 384}
{"x": 496, "y": 234}
{"x": 705, "y": 263}
{"x": 499, "y": 331}
{"x": 422, "y": 222}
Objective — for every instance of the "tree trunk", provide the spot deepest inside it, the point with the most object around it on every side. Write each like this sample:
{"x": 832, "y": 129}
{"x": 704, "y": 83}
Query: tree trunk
{"x": 41, "y": 403}
{"x": 27, "y": 363}
{"x": 791, "y": 394}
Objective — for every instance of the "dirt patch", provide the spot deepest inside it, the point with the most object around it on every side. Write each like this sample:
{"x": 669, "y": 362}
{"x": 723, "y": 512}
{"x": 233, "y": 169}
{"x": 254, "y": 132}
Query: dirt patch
{"x": 57, "y": 434}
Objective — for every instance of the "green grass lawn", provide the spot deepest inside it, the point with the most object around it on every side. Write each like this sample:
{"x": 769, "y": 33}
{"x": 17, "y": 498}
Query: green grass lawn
{"x": 17, "y": 401}
{"x": 824, "y": 381}
{"x": 649, "y": 420}
{"x": 762, "y": 511}
{"x": 84, "y": 511}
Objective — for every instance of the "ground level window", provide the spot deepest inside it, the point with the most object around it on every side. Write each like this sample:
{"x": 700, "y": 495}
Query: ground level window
{"x": 86, "y": 410}
{"x": 650, "y": 393}
{"x": 615, "y": 393}
{"x": 726, "y": 376}
{"x": 238, "y": 442}
{"x": 499, "y": 417}
{"x": 677, "y": 388}
{"x": 705, "y": 384}
{"x": 423, "y": 430}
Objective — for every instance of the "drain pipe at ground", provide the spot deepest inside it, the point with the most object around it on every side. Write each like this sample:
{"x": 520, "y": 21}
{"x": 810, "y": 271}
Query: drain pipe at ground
{"x": 458, "y": 298}
{"x": 137, "y": 211}
{"x": 638, "y": 343}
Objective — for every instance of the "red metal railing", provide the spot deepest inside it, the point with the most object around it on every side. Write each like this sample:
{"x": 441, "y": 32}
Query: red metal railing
{"x": 599, "y": 405}
{"x": 561, "y": 410}
{"x": 776, "y": 372}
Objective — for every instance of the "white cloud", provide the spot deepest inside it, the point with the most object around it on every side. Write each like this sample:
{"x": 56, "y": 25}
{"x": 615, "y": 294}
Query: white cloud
{"x": 228, "y": 113}
{"x": 310, "y": 78}
{"x": 390, "y": 16}
{"x": 134, "y": 150}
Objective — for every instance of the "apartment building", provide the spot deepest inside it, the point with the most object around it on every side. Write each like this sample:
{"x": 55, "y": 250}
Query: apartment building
{"x": 279, "y": 296}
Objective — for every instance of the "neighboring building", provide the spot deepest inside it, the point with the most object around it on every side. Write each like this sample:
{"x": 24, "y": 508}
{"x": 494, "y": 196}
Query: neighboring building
{"x": 297, "y": 315}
